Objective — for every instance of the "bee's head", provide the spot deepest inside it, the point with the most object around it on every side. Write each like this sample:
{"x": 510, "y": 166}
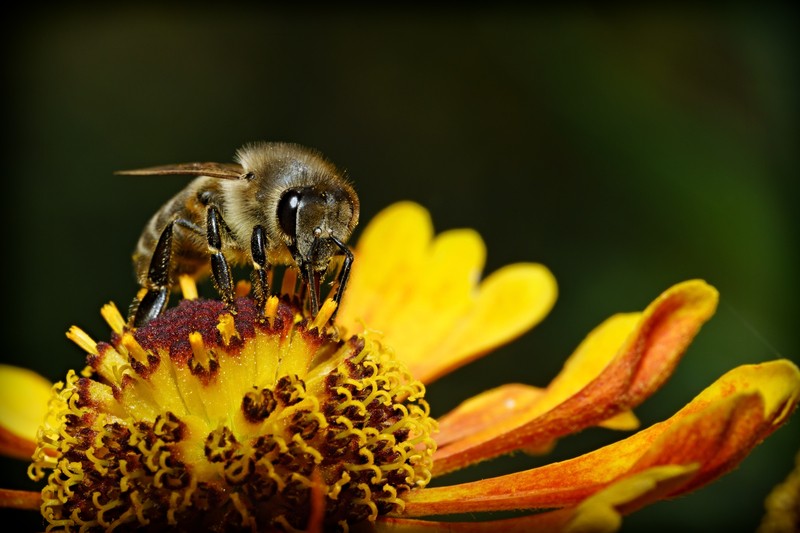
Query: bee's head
{"x": 313, "y": 218}
{"x": 300, "y": 197}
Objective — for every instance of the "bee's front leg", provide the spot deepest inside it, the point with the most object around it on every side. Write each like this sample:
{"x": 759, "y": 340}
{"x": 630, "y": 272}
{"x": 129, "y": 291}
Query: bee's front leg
{"x": 155, "y": 299}
{"x": 344, "y": 273}
{"x": 220, "y": 269}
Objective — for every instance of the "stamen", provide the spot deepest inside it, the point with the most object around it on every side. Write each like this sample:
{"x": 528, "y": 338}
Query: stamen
{"x": 188, "y": 287}
{"x": 271, "y": 308}
{"x": 227, "y": 328}
{"x": 82, "y": 339}
{"x": 113, "y": 317}
{"x": 324, "y": 315}
{"x": 199, "y": 349}
{"x": 135, "y": 349}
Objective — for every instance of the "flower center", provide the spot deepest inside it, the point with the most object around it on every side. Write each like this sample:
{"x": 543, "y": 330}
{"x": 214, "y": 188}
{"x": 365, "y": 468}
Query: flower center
{"x": 203, "y": 420}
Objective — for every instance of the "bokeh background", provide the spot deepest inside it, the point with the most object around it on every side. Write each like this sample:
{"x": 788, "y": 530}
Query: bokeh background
{"x": 627, "y": 149}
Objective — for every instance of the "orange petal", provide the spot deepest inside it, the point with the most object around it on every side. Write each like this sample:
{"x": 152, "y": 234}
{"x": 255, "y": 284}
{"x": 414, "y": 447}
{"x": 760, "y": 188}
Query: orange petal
{"x": 23, "y": 405}
{"x": 646, "y": 358}
{"x": 20, "y": 499}
{"x": 422, "y": 294}
{"x": 492, "y": 408}
{"x": 497, "y": 405}
{"x": 485, "y": 410}
{"x": 599, "y": 513}
{"x": 714, "y": 432}
{"x": 776, "y": 386}
{"x": 590, "y": 359}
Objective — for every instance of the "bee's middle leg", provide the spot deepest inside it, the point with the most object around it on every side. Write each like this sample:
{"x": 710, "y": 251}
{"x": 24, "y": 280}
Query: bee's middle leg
{"x": 220, "y": 269}
{"x": 258, "y": 245}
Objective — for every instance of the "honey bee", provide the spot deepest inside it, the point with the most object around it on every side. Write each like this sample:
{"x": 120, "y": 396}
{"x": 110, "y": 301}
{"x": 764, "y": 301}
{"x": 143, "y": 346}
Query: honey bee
{"x": 279, "y": 204}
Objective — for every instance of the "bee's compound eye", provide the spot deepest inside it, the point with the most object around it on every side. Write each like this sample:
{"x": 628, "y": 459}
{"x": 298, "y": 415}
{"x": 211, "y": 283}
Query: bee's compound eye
{"x": 287, "y": 212}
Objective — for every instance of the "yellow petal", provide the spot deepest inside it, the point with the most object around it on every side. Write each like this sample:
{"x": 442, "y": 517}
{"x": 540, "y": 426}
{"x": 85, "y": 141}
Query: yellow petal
{"x": 714, "y": 432}
{"x": 624, "y": 421}
{"x": 645, "y": 359}
{"x": 23, "y": 405}
{"x": 423, "y": 293}
{"x": 390, "y": 251}
{"x": 602, "y": 512}
{"x": 509, "y": 302}
{"x": 436, "y": 299}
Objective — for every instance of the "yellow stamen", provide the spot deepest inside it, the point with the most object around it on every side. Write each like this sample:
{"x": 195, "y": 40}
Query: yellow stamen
{"x": 227, "y": 328}
{"x": 188, "y": 287}
{"x": 271, "y": 308}
{"x": 82, "y": 339}
{"x": 113, "y": 317}
{"x": 135, "y": 349}
{"x": 324, "y": 315}
{"x": 199, "y": 349}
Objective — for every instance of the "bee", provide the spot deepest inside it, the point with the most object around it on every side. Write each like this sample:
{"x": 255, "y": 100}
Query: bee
{"x": 278, "y": 204}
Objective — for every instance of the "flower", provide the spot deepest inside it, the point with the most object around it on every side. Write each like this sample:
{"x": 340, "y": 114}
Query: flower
{"x": 276, "y": 420}
{"x": 783, "y": 504}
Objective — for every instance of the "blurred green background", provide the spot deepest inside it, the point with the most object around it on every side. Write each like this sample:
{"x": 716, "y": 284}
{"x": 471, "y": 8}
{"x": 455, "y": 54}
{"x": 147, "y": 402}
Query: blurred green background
{"x": 626, "y": 149}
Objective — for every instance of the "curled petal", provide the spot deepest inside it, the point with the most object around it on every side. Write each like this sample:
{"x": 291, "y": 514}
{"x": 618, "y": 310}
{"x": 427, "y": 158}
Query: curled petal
{"x": 621, "y": 380}
{"x": 498, "y": 408}
{"x": 599, "y": 513}
{"x": 714, "y": 432}
{"x": 23, "y": 405}
{"x": 423, "y": 293}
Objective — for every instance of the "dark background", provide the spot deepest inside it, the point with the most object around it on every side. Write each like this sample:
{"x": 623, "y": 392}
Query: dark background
{"x": 626, "y": 149}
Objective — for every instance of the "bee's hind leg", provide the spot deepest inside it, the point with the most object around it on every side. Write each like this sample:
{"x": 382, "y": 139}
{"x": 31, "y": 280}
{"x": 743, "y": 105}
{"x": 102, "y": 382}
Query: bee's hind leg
{"x": 155, "y": 299}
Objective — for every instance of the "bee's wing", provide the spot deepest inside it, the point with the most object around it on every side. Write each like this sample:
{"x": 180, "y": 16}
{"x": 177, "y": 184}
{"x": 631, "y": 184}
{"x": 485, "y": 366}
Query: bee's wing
{"x": 229, "y": 171}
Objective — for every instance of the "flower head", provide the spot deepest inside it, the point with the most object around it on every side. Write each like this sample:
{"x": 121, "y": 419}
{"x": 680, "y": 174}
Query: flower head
{"x": 269, "y": 419}
{"x": 203, "y": 418}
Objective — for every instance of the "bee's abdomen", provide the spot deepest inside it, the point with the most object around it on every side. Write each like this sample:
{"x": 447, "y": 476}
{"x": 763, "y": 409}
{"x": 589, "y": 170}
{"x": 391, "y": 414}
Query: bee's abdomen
{"x": 189, "y": 253}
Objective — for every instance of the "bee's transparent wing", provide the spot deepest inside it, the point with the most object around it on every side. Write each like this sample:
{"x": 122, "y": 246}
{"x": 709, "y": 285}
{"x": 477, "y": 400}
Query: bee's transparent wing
{"x": 229, "y": 171}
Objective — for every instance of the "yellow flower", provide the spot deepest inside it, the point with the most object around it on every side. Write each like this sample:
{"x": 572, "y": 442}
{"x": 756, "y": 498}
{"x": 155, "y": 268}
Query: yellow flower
{"x": 277, "y": 421}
